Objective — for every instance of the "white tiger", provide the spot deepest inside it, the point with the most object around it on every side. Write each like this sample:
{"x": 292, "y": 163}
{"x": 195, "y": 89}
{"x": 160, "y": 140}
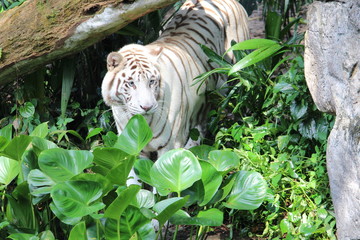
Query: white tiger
{"x": 156, "y": 80}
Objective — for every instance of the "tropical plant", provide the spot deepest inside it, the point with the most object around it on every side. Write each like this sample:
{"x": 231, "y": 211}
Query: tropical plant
{"x": 50, "y": 192}
{"x": 271, "y": 122}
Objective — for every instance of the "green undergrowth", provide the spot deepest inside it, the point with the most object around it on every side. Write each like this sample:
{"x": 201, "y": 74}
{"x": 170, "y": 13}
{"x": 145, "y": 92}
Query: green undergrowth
{"x": 261, "y": 175}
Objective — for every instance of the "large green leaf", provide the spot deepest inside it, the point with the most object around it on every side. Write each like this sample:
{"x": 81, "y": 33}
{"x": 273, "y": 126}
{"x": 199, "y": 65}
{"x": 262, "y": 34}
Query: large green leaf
{"x": 46, "y": 235}
{"x": 9, "y": 169}
{"x": 144, "y": 199}
{"x": 29, "y": 162}
{"x": 142, "y": 169}
{"x": 5, "y": 136}
{"x": 3, "y": 143}
{"x": 130, "y": 222}
{"x": 40, "y": 184}
{"x": 168, "y": 207}
{"x": 109, "y": 157}
{"x": 65, "y": 219}
{"x": 77, "y": 198}
{"x": 175, "y": 171}
{"x": 252, "y": 44}
{"x": 40, "y": 144}
{"x": 136, "y": 135}
{"x": 21, "y": 207}
{"x": 211, "y": 180}
{"x": 41, "y": 130}
{"x": 117, "y": 207}
{"x": 146, "y": 231}
{"x": 113, "y": 163}
{"x": 202, "y": 151}
{"x": 210, "y": 217}
{"x": 6, "y": 132}
{"x": 248, "y": 192}
{"x": 78, "y": 232}
{"x": 23, "y": 236}
{"x": 119, "y": 173}
{"x": 61, "y": 164}
{"x": 17, "y": 147}
{"x": 255, "y": 57}
{"x": 106, "y": 185}
{"x": 224, "y": 160}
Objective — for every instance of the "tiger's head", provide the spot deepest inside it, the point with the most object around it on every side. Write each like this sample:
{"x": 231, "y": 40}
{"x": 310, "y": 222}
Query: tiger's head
{"x": 133, "y": 79}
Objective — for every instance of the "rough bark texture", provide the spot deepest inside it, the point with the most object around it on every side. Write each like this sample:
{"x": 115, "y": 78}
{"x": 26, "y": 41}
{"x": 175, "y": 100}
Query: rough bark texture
{"x": 332, "y": 70}
{"x": 40, "y": 31}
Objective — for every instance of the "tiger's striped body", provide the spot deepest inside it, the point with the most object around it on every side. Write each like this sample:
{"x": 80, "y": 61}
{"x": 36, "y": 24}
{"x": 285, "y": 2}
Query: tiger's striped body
{"x": 156, "y": 80}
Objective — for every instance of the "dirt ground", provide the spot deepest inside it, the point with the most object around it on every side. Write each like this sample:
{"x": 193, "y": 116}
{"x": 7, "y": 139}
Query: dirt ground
{"x": 256, "y": 24}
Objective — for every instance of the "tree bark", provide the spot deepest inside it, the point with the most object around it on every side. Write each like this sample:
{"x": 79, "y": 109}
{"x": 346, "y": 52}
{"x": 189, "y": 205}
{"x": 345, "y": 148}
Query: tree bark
{"x": 40, "y": 31}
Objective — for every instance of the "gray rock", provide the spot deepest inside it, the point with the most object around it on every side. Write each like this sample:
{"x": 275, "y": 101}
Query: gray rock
{"x": 332, "y": 71}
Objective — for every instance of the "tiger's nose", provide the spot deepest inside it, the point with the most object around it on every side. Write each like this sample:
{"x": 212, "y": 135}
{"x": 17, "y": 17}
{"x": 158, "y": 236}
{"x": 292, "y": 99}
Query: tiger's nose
{"x": 146, "y": 108}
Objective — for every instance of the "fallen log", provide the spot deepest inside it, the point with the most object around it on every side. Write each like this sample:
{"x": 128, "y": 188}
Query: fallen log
{"x": 40, "y": 31}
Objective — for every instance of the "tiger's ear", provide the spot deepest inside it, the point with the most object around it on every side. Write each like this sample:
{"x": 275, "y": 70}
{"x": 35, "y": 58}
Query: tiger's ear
{"x": 113, "y": 60}
{"x": 156, "y": 51}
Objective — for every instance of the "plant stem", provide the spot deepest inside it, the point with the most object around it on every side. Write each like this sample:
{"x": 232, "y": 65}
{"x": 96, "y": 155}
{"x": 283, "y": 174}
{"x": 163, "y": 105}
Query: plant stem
{"x": 176, "y": 231}
{"x": 118, "y": 228}
{"x": 3, "y": 201}
{"x": 177, "y": 226}
{"x": 97, "y": 229}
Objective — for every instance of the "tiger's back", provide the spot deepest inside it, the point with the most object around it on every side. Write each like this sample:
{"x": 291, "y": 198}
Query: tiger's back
{"x": 163, "y": 71}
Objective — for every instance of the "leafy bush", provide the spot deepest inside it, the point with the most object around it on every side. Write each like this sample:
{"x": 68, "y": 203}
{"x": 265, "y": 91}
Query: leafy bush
{"x": 272, "y": 124}
{"x": 54, "y": 193}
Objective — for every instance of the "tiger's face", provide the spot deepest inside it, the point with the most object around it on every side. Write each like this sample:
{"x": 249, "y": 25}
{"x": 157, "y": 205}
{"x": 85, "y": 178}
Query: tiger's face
{"x": 132, "y": 81}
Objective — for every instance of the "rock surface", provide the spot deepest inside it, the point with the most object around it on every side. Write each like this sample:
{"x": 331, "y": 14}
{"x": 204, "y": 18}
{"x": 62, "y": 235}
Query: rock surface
{"x": 332, "y": 71}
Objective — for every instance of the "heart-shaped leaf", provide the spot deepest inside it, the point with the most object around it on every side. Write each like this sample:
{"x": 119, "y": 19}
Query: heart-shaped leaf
{"x": 135, "y": 136}
{"x": 202, "y": 151}
{"x": 78, "y": 232}
{"x": 224, "y": 160}
{"x": 40, "y": 184}
{"x": 211, "y": 180}
{"x": 248, "y": 192}
{"x": 109, "y": 157}
{"x": 9, "y": 169}
{"x": 142, "y": 169}
{"x": 46, "y": 235}
{"x": 17, "y": 147}
{"x": 41, "y": 130}
{"x": 77, "y": 198}
{"x": 61, "y": 164}
{"x": 144, "y": 199}
{"x": 175, "y": 171}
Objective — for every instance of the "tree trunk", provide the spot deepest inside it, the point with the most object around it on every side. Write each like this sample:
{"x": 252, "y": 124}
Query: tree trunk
{"x": 40, "y": 31}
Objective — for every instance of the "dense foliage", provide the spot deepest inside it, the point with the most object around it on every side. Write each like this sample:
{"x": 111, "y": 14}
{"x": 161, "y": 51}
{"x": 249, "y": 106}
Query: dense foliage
{"x": 261, "y": 174}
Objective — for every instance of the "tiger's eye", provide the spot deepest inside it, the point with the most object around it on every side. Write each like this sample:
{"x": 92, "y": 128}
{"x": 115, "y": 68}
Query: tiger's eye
{"x": 151, "y": 82}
